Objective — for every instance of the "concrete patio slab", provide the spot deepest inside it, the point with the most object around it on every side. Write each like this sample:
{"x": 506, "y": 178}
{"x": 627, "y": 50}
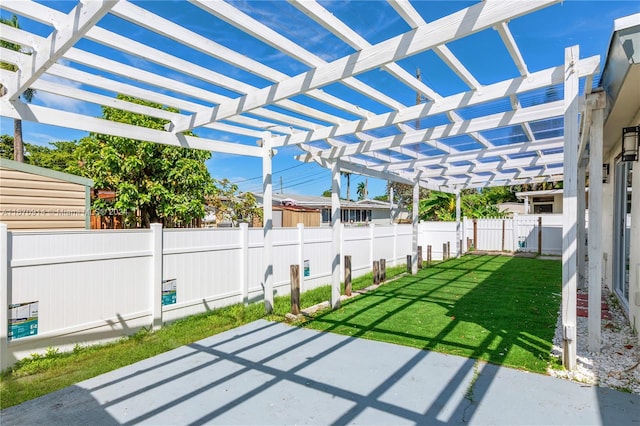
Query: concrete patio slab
{"x": 269, "y": 373}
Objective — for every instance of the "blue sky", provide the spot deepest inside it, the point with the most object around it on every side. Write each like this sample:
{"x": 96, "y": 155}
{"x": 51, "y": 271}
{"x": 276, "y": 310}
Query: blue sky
{"x": 541, "y": 36}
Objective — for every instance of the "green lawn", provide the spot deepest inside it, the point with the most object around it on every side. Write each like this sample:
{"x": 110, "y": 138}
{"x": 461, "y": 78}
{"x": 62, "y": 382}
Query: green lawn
{"x": 496, "y": 308}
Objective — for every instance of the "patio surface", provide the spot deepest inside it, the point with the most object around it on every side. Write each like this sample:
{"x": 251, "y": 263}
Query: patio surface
{"x": 271, "y": 373}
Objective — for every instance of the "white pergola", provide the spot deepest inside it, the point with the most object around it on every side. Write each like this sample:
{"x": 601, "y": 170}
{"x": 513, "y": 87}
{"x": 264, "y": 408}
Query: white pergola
{"x": 503, "y": 133}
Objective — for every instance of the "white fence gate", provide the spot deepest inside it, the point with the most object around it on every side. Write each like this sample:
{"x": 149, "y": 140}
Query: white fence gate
{"x": 521, "y": 233}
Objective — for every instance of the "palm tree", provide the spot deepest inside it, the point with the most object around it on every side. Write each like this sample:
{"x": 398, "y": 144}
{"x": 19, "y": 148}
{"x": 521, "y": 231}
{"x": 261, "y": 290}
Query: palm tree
{"x": 362, "y": 190}
{"x": 27, "y": 95}
{"x": 348, "y": 176}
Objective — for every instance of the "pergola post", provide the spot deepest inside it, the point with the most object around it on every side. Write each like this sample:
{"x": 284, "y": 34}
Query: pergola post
{"x": 336, "y": 231}
{"x": 526, "y": 204}
{"x": 581, "y": 225}
{"x": 570, "y": 208}
{"x": 595, "y": 221}
{"x": 267, "y": 206}
{"x": 415, "y": 222}
{"x": 458, "y": 228}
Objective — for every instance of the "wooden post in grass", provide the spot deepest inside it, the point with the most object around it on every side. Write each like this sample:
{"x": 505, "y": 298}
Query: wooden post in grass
{"x": 409, "y": 264}
{"x": 503, "y": 225}
{"x": 475, "y": 234}
{"x": 468, "y": 244}
{"x": 429, "y": 256}
{"x": 295, "y": 289}
{"x": 444, "y": 251}
{"x": 448, "y": 250}
{"x": 383, "y": 269}
{"x": 539, "y": 235}
{"x": 347, "y": 275}
{"x": 376, "y": 272}
{"x": 419, "y": 257}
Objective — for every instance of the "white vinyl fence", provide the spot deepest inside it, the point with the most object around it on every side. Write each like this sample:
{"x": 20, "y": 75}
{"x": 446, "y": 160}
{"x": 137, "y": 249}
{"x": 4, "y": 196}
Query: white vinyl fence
{"x": 499, "y": 235}
{"x": 62, "y": 288}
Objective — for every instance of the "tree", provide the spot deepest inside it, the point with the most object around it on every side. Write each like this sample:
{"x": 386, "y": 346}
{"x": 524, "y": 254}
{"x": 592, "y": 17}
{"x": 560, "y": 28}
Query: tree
{"x": 441, "y": 206}
{"x": 438, "y": 206}
{"x": 348, "y": 176}
{"x": 61, "y": 156}
{"x": 230, "y": 205}
{"x": 152, "y": 182}
{"x": 403, "y": 194}
{"x": 362, "y": 190}
{"x": 58, "y": 156}
{"x": 27, "y": 95}
{"x": 327, "y": 193}
{"x": 6, "y": 146}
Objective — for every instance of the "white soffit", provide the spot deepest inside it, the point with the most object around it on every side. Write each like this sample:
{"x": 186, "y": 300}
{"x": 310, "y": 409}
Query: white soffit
{"x": 498, "y": 133}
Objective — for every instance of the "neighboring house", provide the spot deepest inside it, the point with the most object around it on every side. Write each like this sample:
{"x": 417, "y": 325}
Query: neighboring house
{"x": 544, "y": 201}
{"x": 353, "y": 212}
{"x": 509, "y": 208}
{"x": 34, "y": 198}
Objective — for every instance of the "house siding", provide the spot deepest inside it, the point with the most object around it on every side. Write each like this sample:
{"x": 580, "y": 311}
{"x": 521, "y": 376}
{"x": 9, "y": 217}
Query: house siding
{"x": 30, "y": 201}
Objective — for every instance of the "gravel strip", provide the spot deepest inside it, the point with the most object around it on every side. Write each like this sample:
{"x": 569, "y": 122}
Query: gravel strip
{"x": 617, "y": 365}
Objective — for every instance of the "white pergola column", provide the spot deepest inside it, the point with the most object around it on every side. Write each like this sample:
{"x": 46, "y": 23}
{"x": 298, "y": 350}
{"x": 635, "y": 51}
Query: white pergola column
{"x": 415, "y": 222}
{"x": 458, "y": 227}
{"x": 336, "y": 232}
{"x": 570, "y": 208}
{"x": 595, "y": 225}
{"x": 267, "y": 206}
{"x": 581, "y": 226}
{"x": 526, "y": 204}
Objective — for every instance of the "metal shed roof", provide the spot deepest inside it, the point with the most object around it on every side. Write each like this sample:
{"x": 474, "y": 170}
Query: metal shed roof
{"x": 489, "y": 133}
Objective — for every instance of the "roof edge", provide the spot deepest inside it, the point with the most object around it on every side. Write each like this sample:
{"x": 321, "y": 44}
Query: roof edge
{"x": 41, "y": 171}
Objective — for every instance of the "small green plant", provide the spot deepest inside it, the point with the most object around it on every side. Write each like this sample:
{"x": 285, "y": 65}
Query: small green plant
{"x": 476, "y": 374}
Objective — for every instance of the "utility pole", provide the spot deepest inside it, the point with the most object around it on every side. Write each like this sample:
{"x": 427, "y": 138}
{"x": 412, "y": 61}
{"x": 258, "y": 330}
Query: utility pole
{"x": 281, "y": 185}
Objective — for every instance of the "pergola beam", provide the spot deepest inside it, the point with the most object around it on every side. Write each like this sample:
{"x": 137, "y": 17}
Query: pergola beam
{"x": 517, "y": 148}
{"x": 471, "y": 178}
{"x": 54, "y": 117}
{"x": 495, "y": 165}
{"x": 415, "y": 20}
{"x": 452, "y": 27}
{"x": 67, "y": 32}
{"x": 511, "y": 182}
{"x": 489, "y": 93}
{"x": 503, "y": 119}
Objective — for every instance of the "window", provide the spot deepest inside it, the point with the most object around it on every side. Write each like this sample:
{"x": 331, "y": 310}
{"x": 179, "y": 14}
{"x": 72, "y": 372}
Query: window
{"x": 326, "y": 215}
{"x": 543, "y": 208}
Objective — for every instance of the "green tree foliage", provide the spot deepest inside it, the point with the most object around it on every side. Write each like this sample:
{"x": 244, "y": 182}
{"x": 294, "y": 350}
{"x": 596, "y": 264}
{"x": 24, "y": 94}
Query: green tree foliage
{"x": 362, "y": 190}
{"x": 152, "y": 182}
{"x": 6, "y": 146}
{"x": 230, "y": 205}
{"x": 403, "y": 194}
{"x": 441, "y": 206}
{"x": 58, "y": 156}
{"x": 27, "y": 95}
